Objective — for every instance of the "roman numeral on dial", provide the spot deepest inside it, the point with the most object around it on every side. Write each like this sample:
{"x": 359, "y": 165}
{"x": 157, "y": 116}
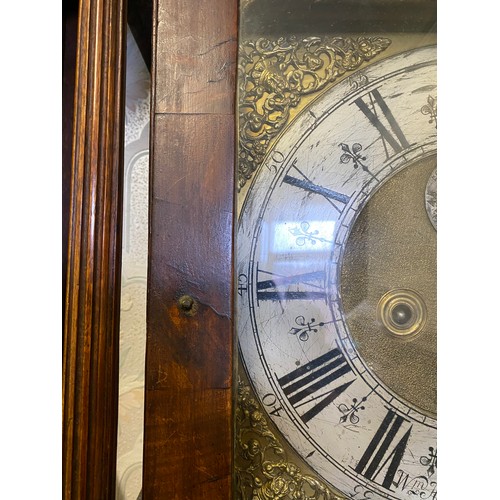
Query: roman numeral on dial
{"x": 394, "y": 137}
{"x": 383, "y": 449}
{"x": 306, "y": 384}
{"x": 313, "y": 284}
{"x": 337, "y": 200}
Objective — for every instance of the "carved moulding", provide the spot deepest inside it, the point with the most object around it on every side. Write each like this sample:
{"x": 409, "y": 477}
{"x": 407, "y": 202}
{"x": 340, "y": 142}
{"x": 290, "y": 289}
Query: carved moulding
{"x": 273, "y": 76}
{"x": 262, "y": 469}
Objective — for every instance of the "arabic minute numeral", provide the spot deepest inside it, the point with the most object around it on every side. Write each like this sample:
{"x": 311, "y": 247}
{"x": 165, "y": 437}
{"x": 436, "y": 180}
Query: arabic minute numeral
{"x": 242, "y": 284}
{"x": 274, "y": 162}
{"x": 270, "y": 401}
{"x": 361, "y": 490}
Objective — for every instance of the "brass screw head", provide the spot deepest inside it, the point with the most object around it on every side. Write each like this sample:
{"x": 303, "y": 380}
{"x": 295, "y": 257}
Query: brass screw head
{"x": 187, "y": 305}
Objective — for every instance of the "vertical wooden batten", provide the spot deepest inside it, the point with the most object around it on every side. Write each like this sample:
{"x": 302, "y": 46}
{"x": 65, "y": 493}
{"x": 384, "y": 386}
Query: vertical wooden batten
{"x": 189, "y": 352}
{"x": 91, "y": 329}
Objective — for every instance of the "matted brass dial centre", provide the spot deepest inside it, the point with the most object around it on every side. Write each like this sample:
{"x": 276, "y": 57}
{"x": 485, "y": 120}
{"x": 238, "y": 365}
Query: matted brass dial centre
{"x": 389, "y": 286}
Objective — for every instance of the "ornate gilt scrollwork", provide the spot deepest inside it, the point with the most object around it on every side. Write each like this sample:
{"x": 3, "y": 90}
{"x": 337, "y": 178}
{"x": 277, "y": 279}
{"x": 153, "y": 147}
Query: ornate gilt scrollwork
{"x": 262, "y": 469}
{"x": 275, "y": 74}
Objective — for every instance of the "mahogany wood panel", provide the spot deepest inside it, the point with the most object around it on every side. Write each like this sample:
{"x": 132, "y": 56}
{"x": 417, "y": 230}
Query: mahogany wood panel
{"x": 91, "y": 328}
{"x": 189, "y": 354}
{"x": 189, "y": 358}
{"x": 196, "y": 56}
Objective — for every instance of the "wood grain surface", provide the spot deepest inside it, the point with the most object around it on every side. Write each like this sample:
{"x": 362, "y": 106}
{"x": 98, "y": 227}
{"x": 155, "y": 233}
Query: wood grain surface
{"x": 195, "y": 56}
{"x": 189, "y": 352}
{"x": 91, "y": 329}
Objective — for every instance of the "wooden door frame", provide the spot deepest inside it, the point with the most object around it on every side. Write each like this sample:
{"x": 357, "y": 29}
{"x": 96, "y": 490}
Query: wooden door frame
{"x": 91, "y": 326}
{"x": 92, "y": 296}
{"x": 188, "y": 434}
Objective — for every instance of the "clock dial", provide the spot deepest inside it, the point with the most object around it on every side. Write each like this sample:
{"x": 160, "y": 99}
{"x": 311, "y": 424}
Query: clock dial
{"x": 336, "y": 325}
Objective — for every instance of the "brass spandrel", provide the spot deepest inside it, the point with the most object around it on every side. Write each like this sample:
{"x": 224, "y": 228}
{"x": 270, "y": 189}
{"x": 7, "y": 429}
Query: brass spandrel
{"x": 266, "y": 467}
{"x": 274, "y": 75}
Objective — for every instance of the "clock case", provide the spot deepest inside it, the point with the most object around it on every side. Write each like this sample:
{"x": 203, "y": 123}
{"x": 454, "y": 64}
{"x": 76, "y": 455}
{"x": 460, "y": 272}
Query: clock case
{"x": 265, "y": 464}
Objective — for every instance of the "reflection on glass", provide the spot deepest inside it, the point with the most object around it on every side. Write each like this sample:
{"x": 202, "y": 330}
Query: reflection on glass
{"x": 314, "y": 236}
{"x": 134, "y": 273}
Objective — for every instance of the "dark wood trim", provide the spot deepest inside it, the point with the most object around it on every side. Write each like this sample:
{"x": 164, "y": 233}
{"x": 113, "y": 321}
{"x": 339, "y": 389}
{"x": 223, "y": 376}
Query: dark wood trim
{"x": 69, "y": 34}
{"x": 91, "y": 328}
{"x": 189, "y": 352}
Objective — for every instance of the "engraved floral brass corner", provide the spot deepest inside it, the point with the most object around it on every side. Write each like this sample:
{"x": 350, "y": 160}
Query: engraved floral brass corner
{"x": 263, "y": 471}
{"x": 273, "y": 76}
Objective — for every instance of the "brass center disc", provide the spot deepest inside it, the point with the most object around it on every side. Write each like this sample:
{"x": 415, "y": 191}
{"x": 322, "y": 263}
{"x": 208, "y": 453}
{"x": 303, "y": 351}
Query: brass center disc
{"x": 388, "y": 286}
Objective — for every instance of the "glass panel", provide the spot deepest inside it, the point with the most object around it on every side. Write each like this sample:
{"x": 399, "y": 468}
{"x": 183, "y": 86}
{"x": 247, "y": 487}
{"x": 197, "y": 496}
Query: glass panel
{"x": 336, "y": 250}
{"x": 134, "y": 275}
